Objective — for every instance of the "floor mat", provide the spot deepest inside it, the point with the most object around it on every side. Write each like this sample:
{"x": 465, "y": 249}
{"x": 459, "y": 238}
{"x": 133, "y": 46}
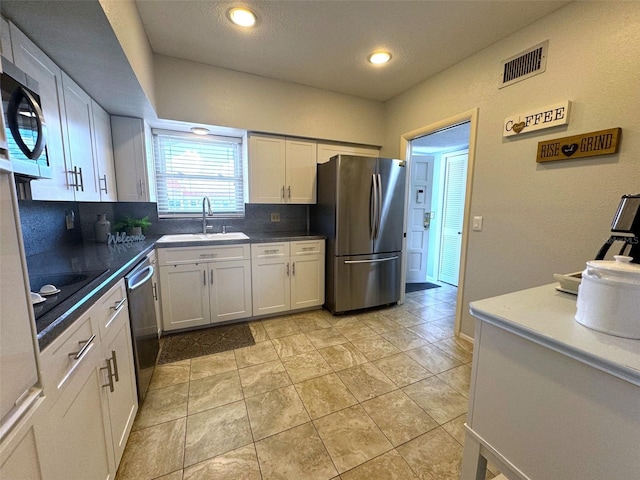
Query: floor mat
{"x": 196, "y": 343}
{"x": 415, "y": 287}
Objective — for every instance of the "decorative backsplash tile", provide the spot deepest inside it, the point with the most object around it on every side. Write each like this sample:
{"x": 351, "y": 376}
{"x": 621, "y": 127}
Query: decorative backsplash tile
{"x": 43, "y": 222}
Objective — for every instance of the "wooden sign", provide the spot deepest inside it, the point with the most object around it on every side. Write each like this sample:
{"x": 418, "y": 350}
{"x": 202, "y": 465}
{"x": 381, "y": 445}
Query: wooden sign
{"x": 546, "y": 117}
{"x": 602, "y": 142}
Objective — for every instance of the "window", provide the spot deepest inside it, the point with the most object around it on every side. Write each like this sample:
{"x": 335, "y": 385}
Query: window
{"x": 190, "y": 167}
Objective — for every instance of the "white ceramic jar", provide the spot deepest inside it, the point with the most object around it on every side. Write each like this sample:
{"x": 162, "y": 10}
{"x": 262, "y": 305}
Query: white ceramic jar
{"x": 609, "y": 297}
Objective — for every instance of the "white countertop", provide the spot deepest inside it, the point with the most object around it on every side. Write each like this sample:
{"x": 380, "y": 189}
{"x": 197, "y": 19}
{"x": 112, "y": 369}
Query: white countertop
{"x": 546, "y": 316}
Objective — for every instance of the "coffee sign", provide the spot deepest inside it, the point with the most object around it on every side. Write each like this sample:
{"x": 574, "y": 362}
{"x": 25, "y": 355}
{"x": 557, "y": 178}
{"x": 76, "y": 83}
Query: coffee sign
{"x": 602, "y": 142}
{"x": 546, "y": 117}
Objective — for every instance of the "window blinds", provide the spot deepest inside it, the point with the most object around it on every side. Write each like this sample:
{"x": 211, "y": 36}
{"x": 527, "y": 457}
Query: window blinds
{"x": 190, "y": 167}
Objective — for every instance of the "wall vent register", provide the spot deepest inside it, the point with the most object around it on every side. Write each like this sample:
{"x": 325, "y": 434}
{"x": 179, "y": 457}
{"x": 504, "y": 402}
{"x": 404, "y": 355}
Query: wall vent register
{"x": 532, "y": 61}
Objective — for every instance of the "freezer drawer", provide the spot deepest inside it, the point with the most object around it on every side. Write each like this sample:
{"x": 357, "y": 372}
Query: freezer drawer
{"x": 363, "y": 281}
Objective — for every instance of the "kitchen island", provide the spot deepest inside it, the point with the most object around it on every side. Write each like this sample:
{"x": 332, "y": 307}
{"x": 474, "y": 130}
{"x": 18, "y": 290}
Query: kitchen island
{"x": 550, "y": 398}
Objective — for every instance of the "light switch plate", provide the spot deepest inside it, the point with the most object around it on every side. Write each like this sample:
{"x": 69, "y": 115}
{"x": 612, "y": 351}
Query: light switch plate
{"x": 477, "y": 224}
{"x": 275, "y": 217}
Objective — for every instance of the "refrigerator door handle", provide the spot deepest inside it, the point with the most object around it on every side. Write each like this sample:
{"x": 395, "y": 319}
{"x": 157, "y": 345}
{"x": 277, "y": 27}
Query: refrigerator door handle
{"x": 379, "y": 179}
{"x": 373, "y": 208}
{"x": 375, "y": 260}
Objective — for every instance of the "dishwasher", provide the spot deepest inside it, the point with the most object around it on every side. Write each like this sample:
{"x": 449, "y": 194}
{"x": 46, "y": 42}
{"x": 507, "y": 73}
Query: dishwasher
{"x": 144, "y": 328}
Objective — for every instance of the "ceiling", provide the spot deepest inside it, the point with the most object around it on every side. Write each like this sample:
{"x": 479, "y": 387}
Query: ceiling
{"x": 318, "y": 43}
{"x": 325, "y": 44}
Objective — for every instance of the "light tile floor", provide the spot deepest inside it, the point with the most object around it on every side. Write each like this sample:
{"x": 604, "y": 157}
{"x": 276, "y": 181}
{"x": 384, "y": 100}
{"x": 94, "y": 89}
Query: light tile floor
{"x": 376, "y": 395}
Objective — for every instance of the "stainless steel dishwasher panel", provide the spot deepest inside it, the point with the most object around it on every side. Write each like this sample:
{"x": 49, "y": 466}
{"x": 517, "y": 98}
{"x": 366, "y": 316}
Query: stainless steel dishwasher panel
{"x": 144, "y": 329}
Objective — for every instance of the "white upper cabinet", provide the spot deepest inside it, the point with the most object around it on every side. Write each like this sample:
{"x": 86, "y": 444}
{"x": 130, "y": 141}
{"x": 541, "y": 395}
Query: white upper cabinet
{"x": 78, "y": 142}
{"x": 31, "y": 60}
{"x": 5, "y": 41}
{"x": 103, "y": 153}
{"x": 281, "y": 170}
{"x": 133, "y": 157}
{"x": 328, "y": 150}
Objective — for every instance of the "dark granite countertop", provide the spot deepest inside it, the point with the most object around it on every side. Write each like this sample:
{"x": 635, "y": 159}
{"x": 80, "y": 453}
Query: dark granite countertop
{"x": 117, "y": 260}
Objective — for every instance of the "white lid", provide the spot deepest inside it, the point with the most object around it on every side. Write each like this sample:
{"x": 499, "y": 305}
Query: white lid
{"x": 620, "y": 269}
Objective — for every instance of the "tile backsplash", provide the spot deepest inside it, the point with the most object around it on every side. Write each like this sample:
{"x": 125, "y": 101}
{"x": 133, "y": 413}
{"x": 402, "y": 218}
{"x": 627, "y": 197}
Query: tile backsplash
{"x": 44, "y": 229}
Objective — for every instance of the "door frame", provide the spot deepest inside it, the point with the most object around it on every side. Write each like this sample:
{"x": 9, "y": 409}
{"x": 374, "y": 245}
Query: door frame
{"x": 405, "y": 154}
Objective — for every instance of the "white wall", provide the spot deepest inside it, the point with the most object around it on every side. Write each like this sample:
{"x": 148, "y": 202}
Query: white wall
{"x": 194, "y": 92}
{"x": 540, "y": 218}
{"x": 127, "y": 25}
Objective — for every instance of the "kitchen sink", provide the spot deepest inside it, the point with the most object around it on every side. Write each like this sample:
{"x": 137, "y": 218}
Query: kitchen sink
{"x": 202, "y": 237}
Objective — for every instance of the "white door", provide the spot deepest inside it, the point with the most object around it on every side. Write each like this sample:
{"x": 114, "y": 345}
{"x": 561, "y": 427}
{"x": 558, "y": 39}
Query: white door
{"x": 230, "y": 290}
{"x": 267, "y": 169}
{"x": 307, "y": 281}
{"x": 271, "y": 285}
{"x": 185, "y": 296}
{"x": 419, "y": 218}
{"x": 301, "y": 168}
{"x": 452, "y": 215}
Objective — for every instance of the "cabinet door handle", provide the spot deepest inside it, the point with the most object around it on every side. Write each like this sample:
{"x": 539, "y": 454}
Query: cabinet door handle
{"x": 155, "y": 291}
{"x": 76, "y": 184}
{"x": 114, "y": 359}
{"x": 110, "y": 375}
{"x": 211, "y": 277}
{"x": 283, "y": 191}
{"x": 118, "y": 305}
{"x": 81, "y": 179}
{"x": 104, "y": 179}
{"x": 287, "y": 269}
{"x": 293, "y": 268}
{"x": 204, "y": 277}
{"x": 141, "y": 187}
{"x": 84, "y": 348}
{"x": 289, "y": 189}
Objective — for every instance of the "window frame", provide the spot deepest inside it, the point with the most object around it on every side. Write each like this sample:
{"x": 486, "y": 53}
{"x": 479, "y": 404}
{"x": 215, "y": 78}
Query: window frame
{"x": 240, "y": 181}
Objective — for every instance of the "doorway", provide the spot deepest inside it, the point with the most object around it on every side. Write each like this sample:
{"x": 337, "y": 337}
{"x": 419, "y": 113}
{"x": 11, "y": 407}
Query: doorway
{"x": 432, "y": 222}
{"x": 436, "y": 204}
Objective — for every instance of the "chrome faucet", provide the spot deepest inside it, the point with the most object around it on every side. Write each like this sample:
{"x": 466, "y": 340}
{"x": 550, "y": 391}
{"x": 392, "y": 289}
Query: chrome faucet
{"x": 205, "y": 200}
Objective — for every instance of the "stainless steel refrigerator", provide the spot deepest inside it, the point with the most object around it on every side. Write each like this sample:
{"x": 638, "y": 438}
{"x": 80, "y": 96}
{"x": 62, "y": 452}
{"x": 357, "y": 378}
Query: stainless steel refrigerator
{"x": 360, "y": 209}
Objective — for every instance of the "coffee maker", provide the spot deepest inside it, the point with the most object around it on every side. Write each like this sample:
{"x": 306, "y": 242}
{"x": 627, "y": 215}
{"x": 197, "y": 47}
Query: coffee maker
{"x": 625, "y": 228}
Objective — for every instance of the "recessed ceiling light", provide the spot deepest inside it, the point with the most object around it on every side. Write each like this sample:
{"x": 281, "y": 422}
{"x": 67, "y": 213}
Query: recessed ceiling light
{"x": 378, "y": 58}
{"x": 200, "y": 130}
{"x": 242, "y": 17}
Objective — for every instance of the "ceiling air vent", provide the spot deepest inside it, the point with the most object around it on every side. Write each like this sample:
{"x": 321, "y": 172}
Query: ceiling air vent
{"x": 525, "y": 64}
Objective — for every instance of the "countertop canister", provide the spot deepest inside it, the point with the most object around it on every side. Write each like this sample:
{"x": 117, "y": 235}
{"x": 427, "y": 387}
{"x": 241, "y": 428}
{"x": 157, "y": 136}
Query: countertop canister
{"x": 102, "y": 228}
{"x": 609, "y": 297}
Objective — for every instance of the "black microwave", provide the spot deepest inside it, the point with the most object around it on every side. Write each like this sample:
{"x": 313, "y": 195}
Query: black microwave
{"x": 26, "y": 129}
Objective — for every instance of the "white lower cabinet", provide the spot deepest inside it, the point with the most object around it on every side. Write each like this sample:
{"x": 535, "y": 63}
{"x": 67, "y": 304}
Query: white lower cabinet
{"x": 20, "y": 451}
{"x": 287, "y": 276}
{"x": 204, "y": 285}
{"x": 87, "y": 425}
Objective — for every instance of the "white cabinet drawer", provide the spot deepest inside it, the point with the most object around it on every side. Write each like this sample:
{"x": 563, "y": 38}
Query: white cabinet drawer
{"x": 67, "y": 353}
{"x": 307, "y": 247}
{"x": 270, "y": 250}
{"x": 107, "y": 308}
{"x": 183, "y": 255}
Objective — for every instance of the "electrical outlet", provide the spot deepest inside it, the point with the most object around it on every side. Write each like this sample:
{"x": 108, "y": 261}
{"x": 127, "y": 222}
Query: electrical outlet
{"x": 275, "y": 217}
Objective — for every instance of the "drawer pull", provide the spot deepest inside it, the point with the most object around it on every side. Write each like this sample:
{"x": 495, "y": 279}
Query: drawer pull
{"x": 112, "y": 371}
{"x": 84, "y": 347}
{"x": 118, "y": 305}
{"x": 308, "y": 249}
{"x": 275, "y": 250}
{"x": 208, "y": 255}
